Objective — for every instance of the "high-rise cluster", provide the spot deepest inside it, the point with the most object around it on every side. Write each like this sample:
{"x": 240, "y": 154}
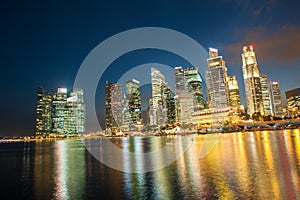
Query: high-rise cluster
{"x": 123, "y": 113}
{"x": 58, "y": 114}
{"x": 187, "y": 106}
{"x": 263, "y": 95}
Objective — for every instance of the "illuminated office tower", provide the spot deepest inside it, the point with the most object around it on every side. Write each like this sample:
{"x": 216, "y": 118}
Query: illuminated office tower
{"x": 113, "y": 107}
{"x": 184, "y": 99}
{"x": 194, "y": 83}
{"x": 293, "y": 101}
{"x": 180, "y": 82}
{"x": 216, "y": 77}
{"x": 133, "y": 99}
{"x": 252, "y": 81}
{"x": 43, "y": 113}
{"x": 80, "y": 109}
{"x": 150, "y": 114}
{"x": 233, "y": 91}
{"x": 276, "y": 99}
{"x": 266, "y": 95}
{"x": 170, "y": 105}
{"x": 159, "y": 110}
{"x": 74, "y": 122}
{"x": 58, "y": 110}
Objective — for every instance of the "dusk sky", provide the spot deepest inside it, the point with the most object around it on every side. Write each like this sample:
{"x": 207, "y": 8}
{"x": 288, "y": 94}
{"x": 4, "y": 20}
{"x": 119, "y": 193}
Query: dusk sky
{"x": 45, "y": 42}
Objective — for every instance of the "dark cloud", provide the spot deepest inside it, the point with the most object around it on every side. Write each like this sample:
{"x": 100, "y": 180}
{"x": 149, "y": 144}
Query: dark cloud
{"x": 280, "y": 46}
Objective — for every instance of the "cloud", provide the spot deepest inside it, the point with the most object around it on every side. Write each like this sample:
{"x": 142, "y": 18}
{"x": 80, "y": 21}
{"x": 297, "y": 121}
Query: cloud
{"x": 280, "y": 46}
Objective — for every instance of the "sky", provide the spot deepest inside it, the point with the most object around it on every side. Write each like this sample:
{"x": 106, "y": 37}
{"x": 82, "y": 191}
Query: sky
{"x": 45, "y": 42}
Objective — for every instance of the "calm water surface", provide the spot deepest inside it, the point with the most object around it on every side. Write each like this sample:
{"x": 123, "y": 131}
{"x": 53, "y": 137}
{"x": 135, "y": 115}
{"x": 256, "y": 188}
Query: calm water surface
{"x": 251, "y": 165}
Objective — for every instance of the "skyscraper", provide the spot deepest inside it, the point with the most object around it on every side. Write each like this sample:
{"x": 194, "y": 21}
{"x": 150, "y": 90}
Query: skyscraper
{"x": 43, "y": 112}
{"x": 216, "y": 76}
{"x": 58, "y": 112}
{"x": 113, "y": 107}
{"x": 252, "y": 81}
{"x": 184, "y": 99}
{"x": 293, "y": 101}
{"x": 74, "y": 122}
{"x": 276, "y": 99}
{"x": 170, "y": 105}
{"x": 266, "y": 94}
{"x": 133, "y": 99}
{"x": 233, "y": 91}
{"x": 180, "y": 83}
{"x": 194, "y": 83}
{"x": 159, "y": 110}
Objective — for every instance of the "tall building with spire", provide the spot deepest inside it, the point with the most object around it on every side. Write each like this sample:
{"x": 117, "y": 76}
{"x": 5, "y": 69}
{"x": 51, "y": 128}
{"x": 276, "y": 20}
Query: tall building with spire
{"x": 252, "y": 81}
{"x": 216, "y": 77}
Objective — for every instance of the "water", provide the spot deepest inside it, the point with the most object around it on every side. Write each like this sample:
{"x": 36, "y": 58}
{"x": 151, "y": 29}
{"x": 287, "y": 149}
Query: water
{"x": 250, "y": 165}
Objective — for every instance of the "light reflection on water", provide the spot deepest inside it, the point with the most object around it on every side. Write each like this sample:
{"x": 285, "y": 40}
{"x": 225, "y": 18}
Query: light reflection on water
{"x": 251, "y": 165}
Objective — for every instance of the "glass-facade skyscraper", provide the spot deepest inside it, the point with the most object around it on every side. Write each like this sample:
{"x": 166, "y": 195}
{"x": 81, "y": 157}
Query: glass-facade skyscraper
{"x": 158, "y": 110}
{"x": 266, "y": 94}
{"x": 59, "y": 104}
{"x": 185, "y": 94}
{"x": 293, "y": 101}
{"x": 74, "y": 121}
{"x": 113, "y": 107}
{"x": 216, "y": 77}
{"x": 194, "y": 82}
{"x": 276, "y": 99}
{"x": 252, "y": 81}
{"x": 233, "y": 91}
{"x": 43, "y": 112}
{"x": 133, "y": 101}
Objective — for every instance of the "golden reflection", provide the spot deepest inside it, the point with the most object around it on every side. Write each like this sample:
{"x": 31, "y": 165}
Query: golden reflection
{"x": 216, "y": 161}
{"x": 294, "y": 178}
{"x": 270, "y": 164}
{"x": 242, "y": 175}
{"x": 161, "y": 180}
{"x": 61, "y": 170}
{"x": 42, "y": 170}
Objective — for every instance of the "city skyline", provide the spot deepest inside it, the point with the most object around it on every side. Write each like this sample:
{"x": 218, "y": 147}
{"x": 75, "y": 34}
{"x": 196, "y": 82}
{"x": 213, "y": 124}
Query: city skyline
{"x": 45, "y": 43}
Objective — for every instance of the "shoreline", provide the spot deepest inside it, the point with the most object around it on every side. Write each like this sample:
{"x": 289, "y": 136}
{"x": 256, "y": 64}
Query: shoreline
{"x": 49, "y": 139}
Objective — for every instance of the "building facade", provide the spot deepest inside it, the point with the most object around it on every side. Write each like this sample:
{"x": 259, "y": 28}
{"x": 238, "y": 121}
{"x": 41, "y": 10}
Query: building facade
{"x": 293, "y": 102}
{"x": 43, "y": 113}
{"x": 277, "y": 105}
{"x": 252, "y": 81}
{"x": 113, "y": 107}
{"x": 158, "y": 109}
{"x": 266, "y": 94}
{"x": 194, "y": 83}
{"x": 185, "y": 96}
{"x": 58, "y": 114}
{"x": 233, "y": 92}
{"x": 133, "y": 99}
{"x": 216, "y": 76}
